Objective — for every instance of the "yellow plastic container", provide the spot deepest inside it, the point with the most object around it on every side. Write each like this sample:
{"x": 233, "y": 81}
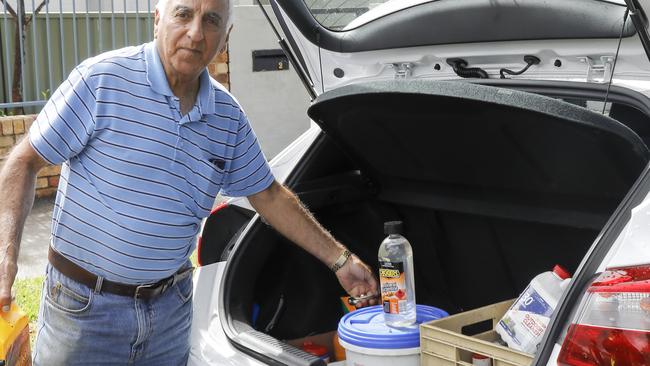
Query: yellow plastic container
{"x": 14, "y": 338}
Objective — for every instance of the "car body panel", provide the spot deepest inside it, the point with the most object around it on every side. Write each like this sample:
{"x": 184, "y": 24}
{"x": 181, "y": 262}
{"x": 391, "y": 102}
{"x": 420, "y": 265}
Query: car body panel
{"x": 209, "y": 344}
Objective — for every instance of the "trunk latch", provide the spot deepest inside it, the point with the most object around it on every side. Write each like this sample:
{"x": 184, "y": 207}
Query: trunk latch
{"x": 402, "y": 70}
{"x": 598, "y": 72}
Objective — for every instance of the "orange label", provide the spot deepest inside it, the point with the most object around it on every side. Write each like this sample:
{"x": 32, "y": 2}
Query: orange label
{"x": 393, "y": 286}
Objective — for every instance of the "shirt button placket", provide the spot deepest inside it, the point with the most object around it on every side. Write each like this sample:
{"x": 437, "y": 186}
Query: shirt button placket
{"x": 174, "y": 106}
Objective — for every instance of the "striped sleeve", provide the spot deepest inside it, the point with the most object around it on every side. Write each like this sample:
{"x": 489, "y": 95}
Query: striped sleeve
{"x": 249, "y": 172}
{"x": 65, "y": 124}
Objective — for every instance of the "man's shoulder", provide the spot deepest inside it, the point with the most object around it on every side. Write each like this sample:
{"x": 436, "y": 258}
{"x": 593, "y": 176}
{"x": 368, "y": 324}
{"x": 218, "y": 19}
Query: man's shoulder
{"x": 116, "y": 61}
{"x": 223, "y": 98}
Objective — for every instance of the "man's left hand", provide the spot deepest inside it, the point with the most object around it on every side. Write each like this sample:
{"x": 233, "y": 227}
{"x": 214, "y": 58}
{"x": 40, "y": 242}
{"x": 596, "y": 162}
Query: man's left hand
{"x": 358, "y": 280}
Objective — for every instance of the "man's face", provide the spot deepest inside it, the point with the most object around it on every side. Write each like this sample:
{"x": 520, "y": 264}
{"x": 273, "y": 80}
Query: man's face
{"x": 189, "y": 33}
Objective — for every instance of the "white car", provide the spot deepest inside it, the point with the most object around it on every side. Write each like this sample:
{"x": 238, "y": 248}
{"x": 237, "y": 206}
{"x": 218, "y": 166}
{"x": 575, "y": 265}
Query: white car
{"x": 508, "y": 136}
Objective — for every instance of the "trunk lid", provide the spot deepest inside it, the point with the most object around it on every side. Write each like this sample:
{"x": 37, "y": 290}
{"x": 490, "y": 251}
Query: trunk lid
{"x": 357, "y": 41}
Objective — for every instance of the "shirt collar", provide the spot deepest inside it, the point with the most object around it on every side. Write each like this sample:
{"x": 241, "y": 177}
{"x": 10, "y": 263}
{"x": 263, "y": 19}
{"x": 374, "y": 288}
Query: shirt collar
{"x": 158, "y": 80}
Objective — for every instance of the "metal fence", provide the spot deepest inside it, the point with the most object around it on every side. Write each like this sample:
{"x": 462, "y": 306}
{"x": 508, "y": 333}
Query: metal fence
{"x": 41, "y": 41}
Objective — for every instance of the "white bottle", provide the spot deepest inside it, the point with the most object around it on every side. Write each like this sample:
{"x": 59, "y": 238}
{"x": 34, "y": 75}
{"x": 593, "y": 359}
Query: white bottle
{"x": 524, "y": 324}
{"x": 396, "y": 277}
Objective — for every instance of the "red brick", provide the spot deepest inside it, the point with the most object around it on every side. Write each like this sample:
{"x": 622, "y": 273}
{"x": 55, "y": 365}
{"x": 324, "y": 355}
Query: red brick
{"x": 7, "y": 127}
{"x": 28, "y": 120}
{"x": 7, "y": 141}
{"x": 222, "y": 57}
{"x": 41, "y": 183}
{"x": 212, "y": 70}
{"x": 50, "y": 171}
{"x": 222, "y": 68}
{"x": 45, "y": 192}
{"x": 19, "y": 126}
{"x": 222, "y": 78}
{"x": 53, "y": 181}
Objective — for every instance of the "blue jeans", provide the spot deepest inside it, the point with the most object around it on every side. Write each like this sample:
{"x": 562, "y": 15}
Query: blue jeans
{"x": 78, "y": 326}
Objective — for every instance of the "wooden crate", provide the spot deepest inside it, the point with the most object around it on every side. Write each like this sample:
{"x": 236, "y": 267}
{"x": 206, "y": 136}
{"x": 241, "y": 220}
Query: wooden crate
{"x": 443, "y": 344}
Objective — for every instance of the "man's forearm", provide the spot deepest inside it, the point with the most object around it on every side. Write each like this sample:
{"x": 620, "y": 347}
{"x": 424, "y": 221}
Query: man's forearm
{"x": 17, "y": 196}
{"x": 284, "y": 211}
{"x": 17, "y": 186}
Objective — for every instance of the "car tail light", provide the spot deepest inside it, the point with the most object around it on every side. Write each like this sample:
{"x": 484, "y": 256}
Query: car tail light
{"x": 612, "y": 325}
{"x": 199, "y": 240}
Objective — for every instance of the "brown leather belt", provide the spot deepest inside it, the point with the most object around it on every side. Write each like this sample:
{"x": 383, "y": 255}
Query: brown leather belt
{"x": 146, "y": 291}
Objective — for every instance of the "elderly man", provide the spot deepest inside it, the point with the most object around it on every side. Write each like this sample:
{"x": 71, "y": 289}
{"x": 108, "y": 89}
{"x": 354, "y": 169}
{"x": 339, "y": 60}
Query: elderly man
{"x": 146, "y": 139}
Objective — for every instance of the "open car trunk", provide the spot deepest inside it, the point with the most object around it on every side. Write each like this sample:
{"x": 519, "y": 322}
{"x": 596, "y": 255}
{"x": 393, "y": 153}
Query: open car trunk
{"x": 493, "y": 185}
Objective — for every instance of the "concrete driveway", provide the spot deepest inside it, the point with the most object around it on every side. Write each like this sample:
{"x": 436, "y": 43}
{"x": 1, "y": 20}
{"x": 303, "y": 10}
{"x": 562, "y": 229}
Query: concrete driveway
{"x": 36, "y": 238}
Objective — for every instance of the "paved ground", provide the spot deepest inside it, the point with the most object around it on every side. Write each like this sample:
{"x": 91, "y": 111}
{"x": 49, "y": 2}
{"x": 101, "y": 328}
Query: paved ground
{"x": 36, "y": 236}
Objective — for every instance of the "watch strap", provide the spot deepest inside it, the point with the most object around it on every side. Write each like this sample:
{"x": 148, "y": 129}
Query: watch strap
{"x": 341, "y": 260}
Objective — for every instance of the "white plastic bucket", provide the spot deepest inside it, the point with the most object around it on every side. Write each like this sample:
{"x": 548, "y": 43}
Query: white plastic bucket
{"x": 360, "y": 356}
{"x": 369, "y": 342}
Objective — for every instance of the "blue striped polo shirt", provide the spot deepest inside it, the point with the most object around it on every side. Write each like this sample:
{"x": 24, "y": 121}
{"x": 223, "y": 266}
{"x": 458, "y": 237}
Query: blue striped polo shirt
{"x": 137, "y": 176}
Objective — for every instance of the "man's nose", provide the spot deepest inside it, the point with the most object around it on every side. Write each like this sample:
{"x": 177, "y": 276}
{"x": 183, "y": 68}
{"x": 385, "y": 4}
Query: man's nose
{"x": 195, "y": 31}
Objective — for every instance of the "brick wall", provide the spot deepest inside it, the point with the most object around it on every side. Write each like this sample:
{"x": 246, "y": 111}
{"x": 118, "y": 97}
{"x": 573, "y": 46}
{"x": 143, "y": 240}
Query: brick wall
{"x": 14, "y": 128}
{"x": 219, "y": 69}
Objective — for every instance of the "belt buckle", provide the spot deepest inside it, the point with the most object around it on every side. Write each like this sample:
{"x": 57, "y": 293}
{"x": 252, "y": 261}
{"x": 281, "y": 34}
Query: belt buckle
{"x": 142, "y": 289}
{"x": 154, "y": 289}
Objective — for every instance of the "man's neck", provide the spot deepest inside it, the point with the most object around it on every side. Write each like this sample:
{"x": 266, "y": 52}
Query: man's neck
{"x": 186, "y": 91}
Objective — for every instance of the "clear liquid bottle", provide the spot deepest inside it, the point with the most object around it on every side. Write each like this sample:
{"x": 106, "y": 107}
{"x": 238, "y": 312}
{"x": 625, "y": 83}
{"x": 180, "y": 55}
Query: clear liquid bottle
{"x": 396, "y": 277}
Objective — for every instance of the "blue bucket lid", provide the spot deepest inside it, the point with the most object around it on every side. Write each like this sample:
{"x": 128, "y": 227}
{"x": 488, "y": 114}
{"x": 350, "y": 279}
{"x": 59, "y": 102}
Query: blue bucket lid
{"x": 366, "y": 328}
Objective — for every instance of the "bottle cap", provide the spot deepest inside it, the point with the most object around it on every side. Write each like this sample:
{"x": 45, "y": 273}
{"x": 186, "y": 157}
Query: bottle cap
{"x": 561, "y": 272}
{"x": 393, "y": 227}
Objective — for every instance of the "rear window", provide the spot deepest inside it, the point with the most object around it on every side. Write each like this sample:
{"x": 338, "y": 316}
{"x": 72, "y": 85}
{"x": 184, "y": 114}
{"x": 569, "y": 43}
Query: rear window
{"x": 341, "y": 15}
{"x": 346, "y": 14}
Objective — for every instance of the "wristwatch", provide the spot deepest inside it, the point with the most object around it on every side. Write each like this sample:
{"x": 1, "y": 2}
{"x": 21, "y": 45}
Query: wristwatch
{"x": 340, "y": 262}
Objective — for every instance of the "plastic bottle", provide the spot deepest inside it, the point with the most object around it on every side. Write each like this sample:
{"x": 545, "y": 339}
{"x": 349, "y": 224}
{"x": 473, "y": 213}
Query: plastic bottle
{"x": 524, "y": 324}
{"x": 14, "y": 337}
{"x": 396, "y": 277}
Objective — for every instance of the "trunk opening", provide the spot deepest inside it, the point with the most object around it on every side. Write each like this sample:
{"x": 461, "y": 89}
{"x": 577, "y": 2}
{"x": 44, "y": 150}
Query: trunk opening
{"x": 494, "y": 186}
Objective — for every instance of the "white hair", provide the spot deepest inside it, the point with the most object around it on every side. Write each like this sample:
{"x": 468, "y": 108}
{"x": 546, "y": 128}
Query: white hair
{"x": 161, "y": 6}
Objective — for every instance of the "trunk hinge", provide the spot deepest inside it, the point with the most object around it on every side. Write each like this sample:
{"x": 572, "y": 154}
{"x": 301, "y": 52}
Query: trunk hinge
{"x": 402, "y": 70}
{"x": 598, "y": 71}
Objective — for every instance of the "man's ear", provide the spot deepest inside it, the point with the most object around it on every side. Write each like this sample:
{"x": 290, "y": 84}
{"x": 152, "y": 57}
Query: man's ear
{"x": 224, "y": 47}
{"x": 156, "y": 19}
